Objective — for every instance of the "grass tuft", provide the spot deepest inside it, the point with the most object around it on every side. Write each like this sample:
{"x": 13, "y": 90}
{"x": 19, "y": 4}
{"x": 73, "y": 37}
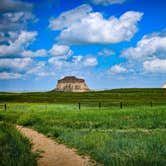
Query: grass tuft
{"x": 15, "y": 150}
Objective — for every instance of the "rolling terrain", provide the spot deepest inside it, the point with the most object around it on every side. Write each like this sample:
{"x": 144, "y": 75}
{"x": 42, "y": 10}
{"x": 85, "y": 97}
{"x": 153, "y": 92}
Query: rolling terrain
{"x": 132, "y": 136}
{"x": 115, "y": 95}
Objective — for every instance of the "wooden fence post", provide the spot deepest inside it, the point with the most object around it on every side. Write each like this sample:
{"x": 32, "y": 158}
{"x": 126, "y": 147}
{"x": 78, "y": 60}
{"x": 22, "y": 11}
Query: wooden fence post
{"x": 99, "y": 105}
{"x": 121, "y": 105}
{"x": 5, "y": 107}
{"x": 79, "y": 106}
{"x": 151, "y": 104}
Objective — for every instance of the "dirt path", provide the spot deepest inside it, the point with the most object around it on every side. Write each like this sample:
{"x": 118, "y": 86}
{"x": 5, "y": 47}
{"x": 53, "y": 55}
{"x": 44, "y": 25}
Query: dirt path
{"x": 53, "y": 154}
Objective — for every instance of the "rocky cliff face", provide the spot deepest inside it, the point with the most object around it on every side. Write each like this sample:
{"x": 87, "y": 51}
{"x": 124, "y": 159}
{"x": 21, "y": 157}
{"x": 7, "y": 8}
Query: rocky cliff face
{"x": 72, "y": 84}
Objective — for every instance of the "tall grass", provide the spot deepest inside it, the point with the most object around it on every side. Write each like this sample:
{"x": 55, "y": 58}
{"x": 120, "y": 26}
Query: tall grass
{"x": 15, "y": 150}
{"x": 117, "y": 148}
{"x": 68, "y": 116}
{"x": 118, "y": 137}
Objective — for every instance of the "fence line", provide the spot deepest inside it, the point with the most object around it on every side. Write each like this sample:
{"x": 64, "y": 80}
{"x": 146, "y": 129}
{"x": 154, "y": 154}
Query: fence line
{"x": 118, "y": 104}
{"x": 100, "y": 105}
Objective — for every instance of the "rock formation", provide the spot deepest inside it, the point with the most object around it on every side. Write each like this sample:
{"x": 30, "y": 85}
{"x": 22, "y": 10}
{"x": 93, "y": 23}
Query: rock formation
{"x": 164, "y": 86}
{"x": 72, "y": 84}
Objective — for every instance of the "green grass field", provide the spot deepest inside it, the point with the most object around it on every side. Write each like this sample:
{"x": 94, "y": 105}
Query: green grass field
{"x": 15, "y": 150}
{"x": 132, "y": 136}
{"x": 117, "y": 95}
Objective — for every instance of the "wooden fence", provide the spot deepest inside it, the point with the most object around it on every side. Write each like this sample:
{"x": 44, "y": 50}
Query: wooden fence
{"x": 115, "y": 104}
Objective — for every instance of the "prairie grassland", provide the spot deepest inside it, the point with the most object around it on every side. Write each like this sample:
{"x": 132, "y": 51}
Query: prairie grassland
{"x": 143, "y": 96}
{"x": 15, "y": 150}
{"x": 131, "y": 136}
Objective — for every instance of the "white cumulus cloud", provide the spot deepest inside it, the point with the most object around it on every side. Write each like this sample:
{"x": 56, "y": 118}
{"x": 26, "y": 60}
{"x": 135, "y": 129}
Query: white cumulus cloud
{"x": 60, "y": 51}
{"x": 90, "y": 61}
{"x": 107, "y": 2}
{"x": 18, "y": 64}
{"x": 7, "y": 75}
{"x": 16, "y": 47}
{"x": 77, "y": 59}
{"x": 149, "y": 46}
{"x": 83, "y": 26}
{"x": 117, "y": 69}
{"x": 66, "y": 18}
{"x": 106, "y": 52}
{"x": 14, "y": 5}
{"x": 15, "y": 16}
{"x": 155, "y": 66}
{"x": 40, "y": 69}
{"x": 38, "y": 53}
{"x": 75, "y": 62}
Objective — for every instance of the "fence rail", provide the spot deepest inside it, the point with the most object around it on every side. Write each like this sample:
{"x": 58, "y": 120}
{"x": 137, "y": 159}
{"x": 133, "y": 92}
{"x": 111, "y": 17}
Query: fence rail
{"x": 98, "y": 105}
{"x": 116, "y": 104}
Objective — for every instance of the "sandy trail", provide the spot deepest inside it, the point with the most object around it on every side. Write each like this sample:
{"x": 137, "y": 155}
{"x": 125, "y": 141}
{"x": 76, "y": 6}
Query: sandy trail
{"x": 53, "y": 154}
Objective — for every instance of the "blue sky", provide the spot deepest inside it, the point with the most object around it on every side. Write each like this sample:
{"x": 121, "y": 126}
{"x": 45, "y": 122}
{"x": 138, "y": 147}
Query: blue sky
{"x": 109, "y": 43}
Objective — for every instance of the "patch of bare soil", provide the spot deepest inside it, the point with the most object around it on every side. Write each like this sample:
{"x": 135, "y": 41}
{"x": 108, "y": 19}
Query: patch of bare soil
{"x": 53, "y": 153}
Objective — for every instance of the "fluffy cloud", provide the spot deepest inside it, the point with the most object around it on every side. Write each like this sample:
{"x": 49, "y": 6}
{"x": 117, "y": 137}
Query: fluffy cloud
{"x": 107, "y": 2}
{"x": 16, "y": 64}
{"x": 16, "y": 47}
{"x": 40, "y": 69}
{"x": 60, "y": 51}
{"x": 106, "y": 52}
{"x": 25, "y": 38}
{"x": 90, "y": 61}
{"x": 149, "y": 54}
{"x": 14, "y": 5}
{"x": 148, "y": 47}
{"x": 18, "y": 16}
{"x": 6, "y": 76}
{"x": 82, "y": 26}
{"x": 155, "y": 66}
{"x": 15, "y": 15}
{"x": 59, "y": 63}
{"x": 15, "y": 21}
{"x": 76, "y": 62}
{"x": 66, "y": 18}
{"x": 6, "y": 38}
{"x": 38, "y": 53}
{"x": 14, "y": 39}
{"x": 77, "y": 59}
{"x": 26, "y": 66}
{"x": 117, "y": 69}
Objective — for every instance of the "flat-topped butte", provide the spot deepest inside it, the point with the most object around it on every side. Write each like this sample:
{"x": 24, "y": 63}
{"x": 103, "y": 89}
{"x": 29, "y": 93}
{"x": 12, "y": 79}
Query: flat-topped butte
{"x": 72, "y": 84}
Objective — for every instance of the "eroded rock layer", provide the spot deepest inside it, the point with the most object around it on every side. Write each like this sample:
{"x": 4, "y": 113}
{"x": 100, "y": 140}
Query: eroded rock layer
{"x": 72, "y": 84}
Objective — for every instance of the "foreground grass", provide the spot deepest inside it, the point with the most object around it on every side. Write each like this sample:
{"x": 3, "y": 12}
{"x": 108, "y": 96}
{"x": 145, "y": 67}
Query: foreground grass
{"x": 15, "y": 150}
{"x": 120, "y": 148}
{"x": 118, "y": 137}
